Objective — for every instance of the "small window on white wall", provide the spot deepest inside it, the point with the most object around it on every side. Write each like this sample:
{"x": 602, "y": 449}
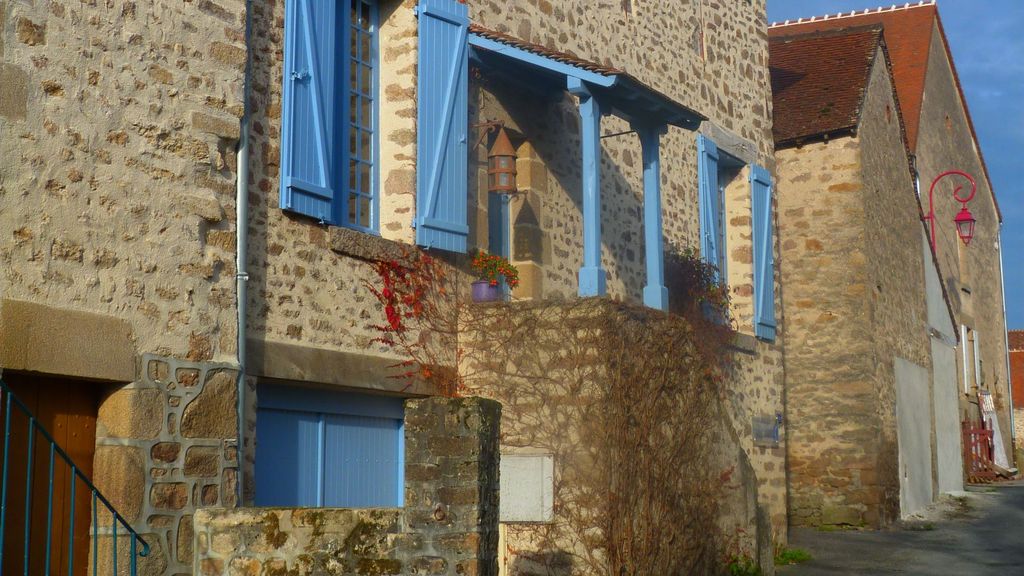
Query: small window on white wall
{"x": 527, "y": 488}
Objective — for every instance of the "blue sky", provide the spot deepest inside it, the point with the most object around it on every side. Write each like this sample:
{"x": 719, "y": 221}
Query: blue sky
{"x": 987, "y": 39}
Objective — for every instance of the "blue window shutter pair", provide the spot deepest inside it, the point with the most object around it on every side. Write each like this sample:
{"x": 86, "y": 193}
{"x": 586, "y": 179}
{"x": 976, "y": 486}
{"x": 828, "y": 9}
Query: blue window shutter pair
{"x": 442, "y": 125}
{"x": 312, "y": 120}
{"x": 764, "y": 257}
{"x": 708, "y": 201}
{"x": 323, "y": 448}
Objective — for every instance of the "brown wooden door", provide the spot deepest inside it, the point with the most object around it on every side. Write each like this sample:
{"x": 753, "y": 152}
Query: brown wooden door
{"x": 67, "y": 410}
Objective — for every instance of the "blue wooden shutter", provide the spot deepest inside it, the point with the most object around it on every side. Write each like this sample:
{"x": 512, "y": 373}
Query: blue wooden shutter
{"x": 288, "y": 463}
{"x": 442, "y": 125}
{"x": 764, "y": 257}
{"x": 708, "y": 203}
{"x": 317, "y": 447}
{"x": 362, "y": 460}
{"x": 310, "y": 120}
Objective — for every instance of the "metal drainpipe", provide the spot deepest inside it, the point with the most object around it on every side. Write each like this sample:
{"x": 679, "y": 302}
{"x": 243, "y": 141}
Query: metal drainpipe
{"x": 241, "y": 250}
{"x": 1006, "y": 348}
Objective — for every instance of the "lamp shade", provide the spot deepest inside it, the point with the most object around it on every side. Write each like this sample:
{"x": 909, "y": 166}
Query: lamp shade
{"x": 501, "y": 165}
{"x": 965, "y": 225}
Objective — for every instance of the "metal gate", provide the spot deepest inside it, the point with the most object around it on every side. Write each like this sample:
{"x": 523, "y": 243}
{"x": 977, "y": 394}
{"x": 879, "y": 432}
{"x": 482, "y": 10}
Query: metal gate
{"x": 978, "y": 452}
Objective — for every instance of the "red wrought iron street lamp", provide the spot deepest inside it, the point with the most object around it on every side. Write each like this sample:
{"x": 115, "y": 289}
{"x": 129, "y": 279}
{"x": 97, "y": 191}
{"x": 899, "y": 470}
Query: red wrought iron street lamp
{"x": 964, "y": 220}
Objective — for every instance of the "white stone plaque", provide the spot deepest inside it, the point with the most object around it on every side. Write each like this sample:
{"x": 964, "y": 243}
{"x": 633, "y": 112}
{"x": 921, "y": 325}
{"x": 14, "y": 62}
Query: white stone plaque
{"x": 527, "y": 488}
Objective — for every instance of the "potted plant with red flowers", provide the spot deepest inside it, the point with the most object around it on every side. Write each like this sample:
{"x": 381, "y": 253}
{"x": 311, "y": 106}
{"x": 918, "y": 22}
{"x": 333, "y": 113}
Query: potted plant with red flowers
{"x": 491, "y": 269}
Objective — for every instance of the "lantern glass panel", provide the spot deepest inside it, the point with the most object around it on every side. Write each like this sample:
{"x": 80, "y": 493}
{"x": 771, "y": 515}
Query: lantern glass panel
{"x": 965, "y": 228}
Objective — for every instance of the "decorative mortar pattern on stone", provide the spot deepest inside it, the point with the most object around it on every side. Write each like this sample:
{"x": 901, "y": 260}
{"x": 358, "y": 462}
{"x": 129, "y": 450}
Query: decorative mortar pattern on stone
{"x": 167, "y": 446}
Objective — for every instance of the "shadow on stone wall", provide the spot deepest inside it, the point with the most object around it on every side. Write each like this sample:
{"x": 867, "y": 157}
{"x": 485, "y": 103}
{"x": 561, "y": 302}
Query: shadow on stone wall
{"x": 649, "y": 473}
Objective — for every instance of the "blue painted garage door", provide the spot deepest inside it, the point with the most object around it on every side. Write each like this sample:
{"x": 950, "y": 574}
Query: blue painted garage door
{"x": 324, "y": 448}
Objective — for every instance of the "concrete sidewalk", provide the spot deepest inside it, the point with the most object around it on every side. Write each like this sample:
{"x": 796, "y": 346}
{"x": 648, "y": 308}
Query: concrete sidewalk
{"x": 979, "y": 534}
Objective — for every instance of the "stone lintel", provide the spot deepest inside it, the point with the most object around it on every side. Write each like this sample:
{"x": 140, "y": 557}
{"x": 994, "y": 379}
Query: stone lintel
{"x": 283, "y": 361}
{"x": 734, "y": 145}
{"x": 40, "y": 338}
{"x": 744, "y": 343}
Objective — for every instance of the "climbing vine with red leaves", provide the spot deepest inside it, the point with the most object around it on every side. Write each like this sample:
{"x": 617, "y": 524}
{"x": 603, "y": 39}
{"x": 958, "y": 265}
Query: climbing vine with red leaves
{"x": 420, "y": 318}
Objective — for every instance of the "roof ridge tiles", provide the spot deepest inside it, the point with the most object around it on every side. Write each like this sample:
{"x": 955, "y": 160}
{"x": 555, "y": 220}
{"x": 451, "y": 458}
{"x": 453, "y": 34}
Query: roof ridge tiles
{"x": 853, "y": 13}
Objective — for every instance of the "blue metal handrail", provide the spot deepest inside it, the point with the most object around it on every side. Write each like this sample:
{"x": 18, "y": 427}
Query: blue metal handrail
{"x": 9, "y": 401}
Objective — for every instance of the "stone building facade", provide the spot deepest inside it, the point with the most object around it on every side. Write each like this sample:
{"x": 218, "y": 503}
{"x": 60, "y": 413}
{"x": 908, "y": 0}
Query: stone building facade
{"x": 941, "y": 137}
{"x": 854, "y": 273}
{"x": 306, "y": 292}
{"x": 891, "y": 457}
{"x": 121, "y": 171}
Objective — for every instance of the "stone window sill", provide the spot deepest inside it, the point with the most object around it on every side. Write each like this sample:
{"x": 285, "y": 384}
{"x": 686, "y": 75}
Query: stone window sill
{"x": 368, "y": 247}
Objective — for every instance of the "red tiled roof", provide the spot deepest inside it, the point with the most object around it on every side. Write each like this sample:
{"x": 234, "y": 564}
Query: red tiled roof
{"x": 818, "y": 81}
{"x": 541, "y": 50}
{"x": 1016, "y": 339}
{"x": 908, "y": 36}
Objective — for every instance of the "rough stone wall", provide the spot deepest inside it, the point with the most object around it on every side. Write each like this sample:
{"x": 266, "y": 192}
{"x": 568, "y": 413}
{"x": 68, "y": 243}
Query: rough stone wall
{"x": 756, "y": 388}
{"x": 897, "y": 299}
{"x": 830, "y": 405}
{"x": 448, "y": 526}
{"x": 117, "y": 181}
{"x": 547, "y": 227}
{"x": 709, "y": 56}
{"x": 1018, "y": 422}
{"x": 551, "y": 396}
{"x": 165, "y": 448}
{"x": 854, "y": 299}
{"x": 299, "y": 290}
{"x": 970, "y": 274}
{"x": 714, "y": 60}
{"x": 118, "y": 127}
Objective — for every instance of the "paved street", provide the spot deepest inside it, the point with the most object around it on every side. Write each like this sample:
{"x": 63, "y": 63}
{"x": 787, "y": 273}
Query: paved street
{"x": 985, "y": 535}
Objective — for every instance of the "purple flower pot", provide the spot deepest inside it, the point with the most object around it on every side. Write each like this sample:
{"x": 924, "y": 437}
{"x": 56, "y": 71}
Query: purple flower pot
{"x": 484, "y": 292}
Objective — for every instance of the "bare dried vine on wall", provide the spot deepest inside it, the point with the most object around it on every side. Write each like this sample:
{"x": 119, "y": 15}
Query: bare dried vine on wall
{"x": 626, "y": 399}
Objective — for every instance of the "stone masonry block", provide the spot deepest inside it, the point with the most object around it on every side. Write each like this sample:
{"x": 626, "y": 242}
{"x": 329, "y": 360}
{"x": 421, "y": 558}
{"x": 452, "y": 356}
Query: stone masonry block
{"x": 224, "y": 127}
{"x": 212, "y": 414}
{"x": 838, "y": 515}
{"x": 168, "y": 495}
{"x": 13, "y": 92}
{"x": 132, "y": 413}
{"x": 29, "y": 32}
{"x": 166, "y": 452}
{"x": 202, "y": 461}
{"x": 227, "y": 54}
{"x": 40, "y": 338}
{"x": 119, "y": 473}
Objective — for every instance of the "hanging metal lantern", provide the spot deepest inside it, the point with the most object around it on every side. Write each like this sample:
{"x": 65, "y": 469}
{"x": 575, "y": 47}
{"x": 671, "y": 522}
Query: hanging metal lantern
{"x": 965, "y": 225}
{"x": 501, "y": 165}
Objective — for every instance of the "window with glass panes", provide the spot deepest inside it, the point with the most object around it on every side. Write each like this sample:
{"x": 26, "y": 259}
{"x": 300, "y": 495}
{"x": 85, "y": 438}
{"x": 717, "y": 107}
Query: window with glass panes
{"x": 362, "y": 121}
